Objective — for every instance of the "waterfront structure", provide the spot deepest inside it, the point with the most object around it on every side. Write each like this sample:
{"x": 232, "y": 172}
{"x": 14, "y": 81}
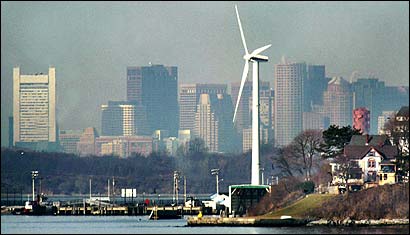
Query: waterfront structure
{"x": 123, "y": 146}
{"x": 188, "y": 101}
{"x": 86, "y": 145}
{"x": 156, "y": 87}
{"x": 69, "y": 139}
{"x": 361, "y": 120}
{"x": 206, "y": 125}
{"x": 34, "y": 110}
{"x": 123, "y": 118}
{"x": 337, "y": 102}
{"x": 288, "y": 86}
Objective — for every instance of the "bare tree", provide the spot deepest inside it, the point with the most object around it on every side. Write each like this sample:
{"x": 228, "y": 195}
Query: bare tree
{"x": 306, "y": 146}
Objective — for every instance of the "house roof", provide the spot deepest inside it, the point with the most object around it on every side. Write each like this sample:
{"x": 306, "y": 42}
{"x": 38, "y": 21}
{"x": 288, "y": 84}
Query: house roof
{"x": 358, "y": 152}
{"x": 372, "y": 140}
{"x": 404, "y": 111}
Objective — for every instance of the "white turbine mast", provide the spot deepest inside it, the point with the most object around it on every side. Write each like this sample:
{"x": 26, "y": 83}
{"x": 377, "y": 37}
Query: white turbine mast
{"x": 255, "y": 58}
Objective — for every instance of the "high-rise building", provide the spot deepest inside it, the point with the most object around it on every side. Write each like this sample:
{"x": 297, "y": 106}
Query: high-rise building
{"x": 156, "y": 87}
{"x": 315, "y": 121}
{"x": 361, "y": 120}
{"x": 206, "y": 124}
{"x": 86, "y": 145}
{"x": 34, "y": 110}
{"x": 288, "y": 86}
{"x": 369, "y": 92}
{"x": 243, "y": 117}
{"x": 188, "y": 101}
{"x": 221, "y": 106}
{"x": 68, "y": 140}
{"x": 123, "y": 146}
{"x": 123, "y": 118}
{"x": 337, "y": 102}
{"x": 381, "y": 121}
{"x": 314, "y": 86}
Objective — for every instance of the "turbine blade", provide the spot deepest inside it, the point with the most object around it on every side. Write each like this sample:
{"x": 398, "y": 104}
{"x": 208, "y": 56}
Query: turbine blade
{"x": 259, "y": 50}
{"x": 240, "y": 28}
{"x": 244, "y": 75}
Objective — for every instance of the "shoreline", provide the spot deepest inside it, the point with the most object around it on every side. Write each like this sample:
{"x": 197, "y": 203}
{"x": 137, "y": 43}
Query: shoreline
{"x": 270, "y": 222}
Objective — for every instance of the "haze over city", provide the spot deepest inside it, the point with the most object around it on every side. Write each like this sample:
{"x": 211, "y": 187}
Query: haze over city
{"x": 91, "y": 43}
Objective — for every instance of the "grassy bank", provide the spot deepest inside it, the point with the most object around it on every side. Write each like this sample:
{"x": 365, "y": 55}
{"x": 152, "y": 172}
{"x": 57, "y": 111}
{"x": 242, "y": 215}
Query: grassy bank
{"x": 299, "y": 208}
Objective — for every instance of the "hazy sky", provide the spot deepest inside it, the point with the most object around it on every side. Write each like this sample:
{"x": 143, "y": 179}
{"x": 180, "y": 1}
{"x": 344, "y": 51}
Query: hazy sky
{"x": 91, "y": 44}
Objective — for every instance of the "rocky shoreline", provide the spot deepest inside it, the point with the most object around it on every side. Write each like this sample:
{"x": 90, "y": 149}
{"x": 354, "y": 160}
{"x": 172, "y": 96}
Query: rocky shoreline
{"x": 366, "y": 222}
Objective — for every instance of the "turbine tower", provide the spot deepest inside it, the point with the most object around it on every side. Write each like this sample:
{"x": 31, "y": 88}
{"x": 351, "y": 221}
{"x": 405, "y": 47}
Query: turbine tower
{"x": 255, "y": 58}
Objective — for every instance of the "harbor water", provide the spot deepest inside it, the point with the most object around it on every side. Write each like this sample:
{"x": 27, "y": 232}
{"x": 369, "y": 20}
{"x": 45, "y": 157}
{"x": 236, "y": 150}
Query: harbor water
{"x": 12, "y": 224}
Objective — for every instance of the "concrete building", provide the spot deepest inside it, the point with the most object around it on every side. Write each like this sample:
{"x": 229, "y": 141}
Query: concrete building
{"x": 69, "y": 140}
{"x": 361, "y": 120}
{"x": 123, "y": 118}
{"x": 288, "y": 86}
{"x": 247, "y": 138}
{"x": 86, "y": 145}
{"x": 188, "y": 101}
{"x": 156, "y": 87}
{"x": 315, "y": 121}
{"x": 34, "y": 110}
{"x": 123, "y": 146}
{"x": 206, "y": 124}
{"x": 382, "y": 120}
{"x": 337, "y": 101}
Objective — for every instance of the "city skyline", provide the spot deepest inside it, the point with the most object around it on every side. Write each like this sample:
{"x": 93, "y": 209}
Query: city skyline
{"x": 103, "y": 41}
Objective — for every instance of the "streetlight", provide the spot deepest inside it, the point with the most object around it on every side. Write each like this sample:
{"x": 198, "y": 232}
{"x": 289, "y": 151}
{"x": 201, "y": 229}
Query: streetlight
{"x": 34, "y": 175}
{"x": 216, "y": 172}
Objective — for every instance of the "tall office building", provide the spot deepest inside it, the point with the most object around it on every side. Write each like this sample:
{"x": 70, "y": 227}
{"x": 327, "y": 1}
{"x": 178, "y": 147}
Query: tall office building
{"x": 206, "y": 124}
{"x": 188, "y": 101}
{"x": 382, "y": 120}
{"x": 123, "y": 118}
{"x": 361, "y": 120}
{"x": 243, "y": 117}
{"x": 314, "y": 86}
{"x": 337, "y": 102}
{"x": 69, "y": 139}
{"x": 86, "y": 145}
{"x": 34, "y": 110}
{"x": 156, "y": 87}
{"x": 288, "y": 86}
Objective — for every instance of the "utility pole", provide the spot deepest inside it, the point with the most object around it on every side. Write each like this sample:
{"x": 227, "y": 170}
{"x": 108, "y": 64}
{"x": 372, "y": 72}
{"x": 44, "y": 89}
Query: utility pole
{"x": 262, "y": 170}
{"x": 184, "y": 189}
{"x": 176, "y": 178}
{"x": 216, "y": 172}
{"x": 90, "y": 188}
{"x": 34, "y": 175}
{"x": 113, "y": 190}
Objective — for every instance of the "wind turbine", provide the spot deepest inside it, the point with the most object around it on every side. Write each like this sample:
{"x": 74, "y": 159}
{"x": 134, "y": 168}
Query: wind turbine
{"x": 255, "y": 58}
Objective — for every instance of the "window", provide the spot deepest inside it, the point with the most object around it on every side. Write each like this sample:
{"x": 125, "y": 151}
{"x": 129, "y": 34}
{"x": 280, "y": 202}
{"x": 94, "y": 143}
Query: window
{"x": 381, "y": 177}
{"x": 371, "y": 163}
{"x": 385, "y": 177}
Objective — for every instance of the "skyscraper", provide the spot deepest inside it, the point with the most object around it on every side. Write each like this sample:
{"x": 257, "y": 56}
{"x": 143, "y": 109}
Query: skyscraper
{"x": 314, "y": 86}
{"x": 243, "y": 117}
{"x": 188, "y": 101}
{"x": 123, "y": 118}
{"x": 206, "y": 125}
{"x": 156, "y": 87}
{"x": 34, "y": 110}
{"x": 288, "y": 86}
{"x": 337, "y": 102}
{"x": 361, "y": 120}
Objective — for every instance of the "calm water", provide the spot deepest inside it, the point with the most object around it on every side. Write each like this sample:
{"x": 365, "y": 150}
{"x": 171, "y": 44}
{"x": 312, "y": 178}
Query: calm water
{"x": 141, "y": 225}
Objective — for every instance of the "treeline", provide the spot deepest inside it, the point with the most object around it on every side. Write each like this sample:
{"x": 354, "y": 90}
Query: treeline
{"x": 69, "y": 174}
